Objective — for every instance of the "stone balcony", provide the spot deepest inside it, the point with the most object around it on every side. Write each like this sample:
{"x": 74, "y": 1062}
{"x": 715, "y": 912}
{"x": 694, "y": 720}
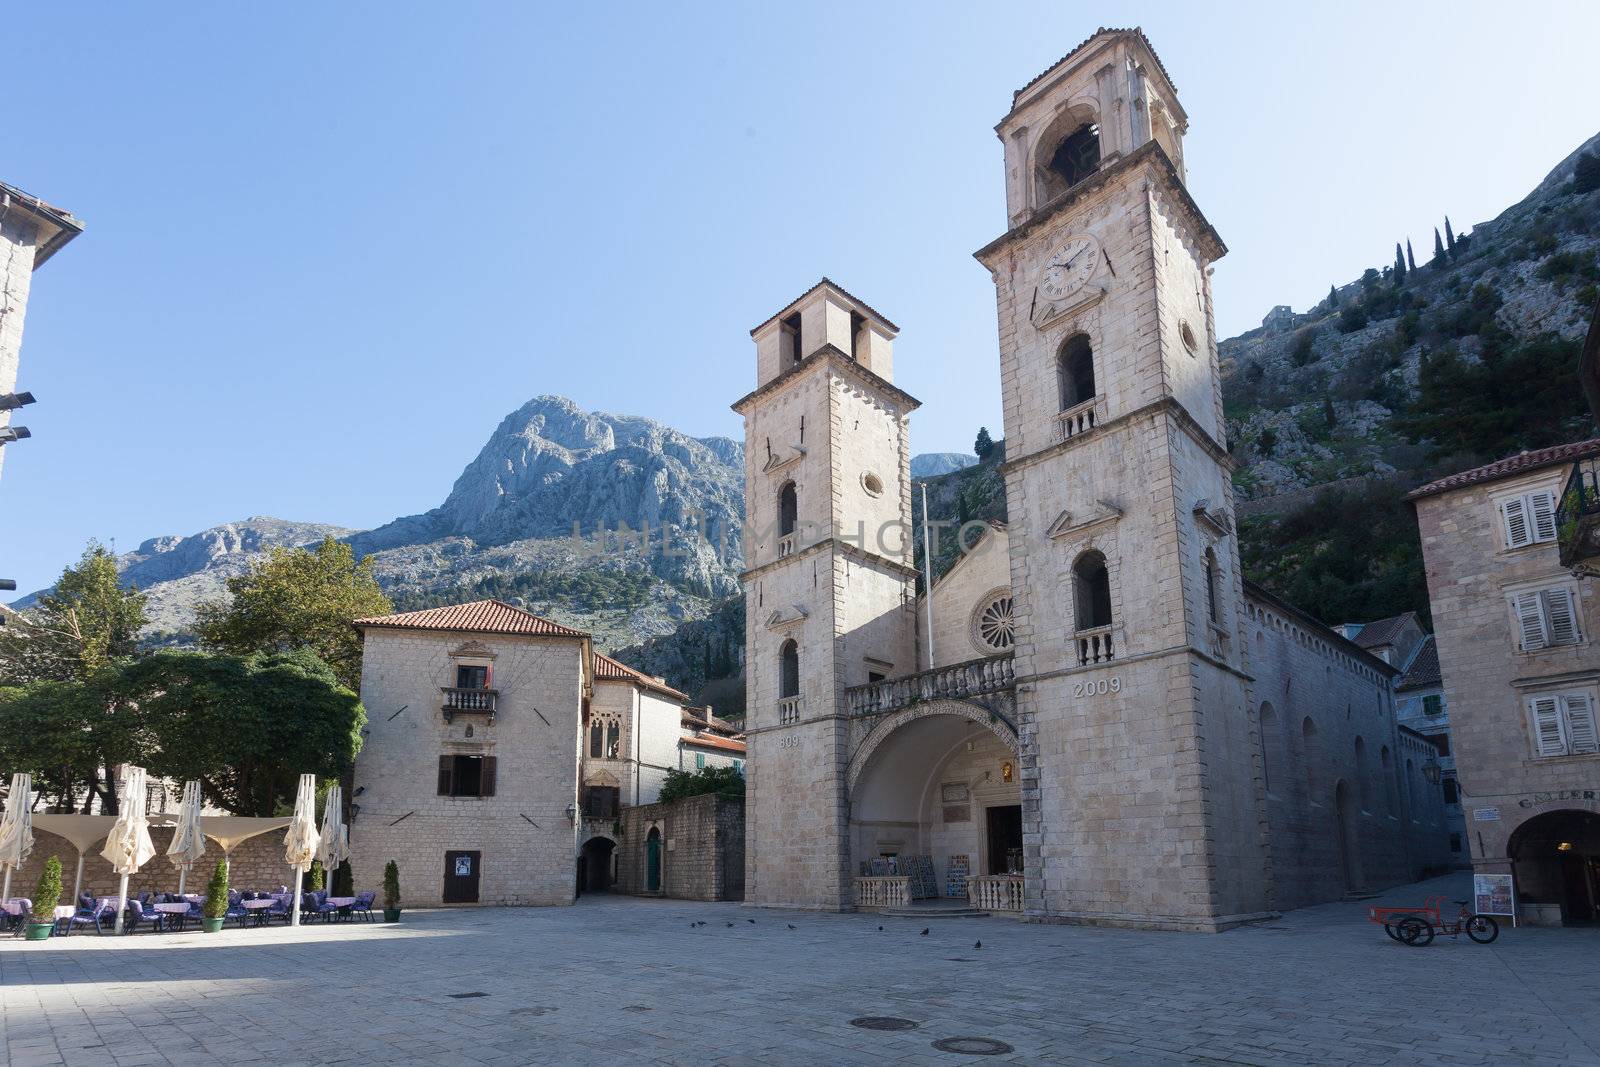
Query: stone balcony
{"x": 990, "y": 676}
{"x": 1080, "y": 418}
{"x": 478, "y": 701}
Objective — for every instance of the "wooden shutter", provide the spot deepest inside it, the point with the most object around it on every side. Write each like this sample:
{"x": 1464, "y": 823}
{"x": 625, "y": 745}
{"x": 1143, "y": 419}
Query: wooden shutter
{"x": 1561, "y": 618}
{"x": 1581, "y": 735}
{"x": 1530, "y": 620}
{"x": 1515, "y": 512}
{"x": 486, "y": 779}
{"x": 1542, "y": 516}
{"x": 1547, "y": 735}
{"x": 447, "y": 775}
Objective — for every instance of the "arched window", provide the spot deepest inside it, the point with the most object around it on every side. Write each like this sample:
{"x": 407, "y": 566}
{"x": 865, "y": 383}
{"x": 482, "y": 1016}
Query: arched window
{"x": 1411, "y": 788}
{"x": 1073, "y": 159}
{"x": 1308, "y": 745}
{"x": 1075, "y": 371}
{"x": 1391, "y": 792}
{"x": 788, "y": 509}
{"x": 1363, "y": 792}
{"x": 789, "y": 670}
{"x": 1269, "y": 738}
{"x": 613, "y": 741}
{"x": 1092, "y": 591}
{"x": 1212, "y": 611}
{"x": 596, "y": 740}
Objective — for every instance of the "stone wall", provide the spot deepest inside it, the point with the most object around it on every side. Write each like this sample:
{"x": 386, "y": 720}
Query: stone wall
{"x": 256, "y": 864}
{"x": 702, "y": 851}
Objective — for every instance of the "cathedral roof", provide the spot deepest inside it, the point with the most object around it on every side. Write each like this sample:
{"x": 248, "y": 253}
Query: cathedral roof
{"x": 478, "y": 616}
{"x": 842, "y": 291}
{"x": 1518, "y": 464}
{"x": 1103, "y": 31}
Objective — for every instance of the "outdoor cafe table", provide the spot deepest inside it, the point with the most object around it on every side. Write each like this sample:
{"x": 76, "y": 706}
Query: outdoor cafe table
{"x": 177, "y": 910}
{"x": 343, "y": 904}
{"x": 258, "y": 910}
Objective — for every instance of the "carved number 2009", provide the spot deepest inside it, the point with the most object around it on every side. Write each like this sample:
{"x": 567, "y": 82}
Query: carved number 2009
{"x": 1097, "y": 689}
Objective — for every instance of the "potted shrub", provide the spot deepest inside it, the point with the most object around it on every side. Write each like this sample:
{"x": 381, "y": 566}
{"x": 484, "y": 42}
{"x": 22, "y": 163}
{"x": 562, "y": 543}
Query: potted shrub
{"x": 391, "y": 892}
{"x": 45, "y": 897}
{"x": 215, "y": 909}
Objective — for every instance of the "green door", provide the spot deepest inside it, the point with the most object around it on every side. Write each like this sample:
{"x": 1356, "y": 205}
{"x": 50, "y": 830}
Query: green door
{"x": 652, "y": 861}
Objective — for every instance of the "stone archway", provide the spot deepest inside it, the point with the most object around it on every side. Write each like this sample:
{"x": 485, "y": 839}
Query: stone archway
{"x": 1002, "y": 727}
{"x": 1555, "y": 857}
{"x": 595, "y": 865}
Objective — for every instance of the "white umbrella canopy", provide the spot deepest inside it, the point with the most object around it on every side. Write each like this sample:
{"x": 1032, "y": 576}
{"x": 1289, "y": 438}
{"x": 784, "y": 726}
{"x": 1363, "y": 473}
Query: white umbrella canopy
{"x": 16, "y": 828}
{"x": 333, "y": 847}
{"x": 300, "y": 843}
{"x": 128, "y": 845}
{"x": 82, "y": 831}
{"x": 188, "y": 842}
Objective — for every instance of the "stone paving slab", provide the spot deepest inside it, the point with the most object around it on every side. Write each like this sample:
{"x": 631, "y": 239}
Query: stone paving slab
{"x": 622, "y": 979}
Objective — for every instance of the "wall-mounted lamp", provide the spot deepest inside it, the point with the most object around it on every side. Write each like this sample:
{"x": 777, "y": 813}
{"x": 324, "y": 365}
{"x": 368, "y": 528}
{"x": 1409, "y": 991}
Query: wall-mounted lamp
{"x": 1565, "y": 846}
{"x": 1431, "y": 770}
{"x": 13, "y": 401}
{"x": 1006, "y": 771}
{"x": 359, "y": 790}
{"x": 572, "y": 813}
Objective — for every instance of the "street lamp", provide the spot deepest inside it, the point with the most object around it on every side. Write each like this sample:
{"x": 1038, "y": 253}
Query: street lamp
{"x": 1431, "y": 770}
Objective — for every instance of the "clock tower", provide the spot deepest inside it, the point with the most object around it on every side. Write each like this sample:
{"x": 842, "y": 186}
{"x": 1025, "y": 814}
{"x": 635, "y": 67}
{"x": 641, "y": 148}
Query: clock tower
{"x": 1139, "y": 763}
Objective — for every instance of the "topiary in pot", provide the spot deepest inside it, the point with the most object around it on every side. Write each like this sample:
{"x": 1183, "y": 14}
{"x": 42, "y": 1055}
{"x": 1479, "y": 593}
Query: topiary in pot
{"x": 215, "y": 909}
{"x": 391, "y": 892}
{"x": 45, "y": 897}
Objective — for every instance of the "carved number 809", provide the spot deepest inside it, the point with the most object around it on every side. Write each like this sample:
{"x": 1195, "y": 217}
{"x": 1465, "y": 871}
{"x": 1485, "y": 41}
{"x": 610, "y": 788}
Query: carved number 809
{"x": 1097, "y": 689}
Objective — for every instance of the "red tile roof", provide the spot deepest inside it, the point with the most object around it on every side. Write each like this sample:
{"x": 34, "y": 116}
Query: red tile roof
{"x": 1383, "y": 631}
{"x": 480, "y": 616}
{"x": 727, "y": 744}
{"x": 1518, "y": 464}
{"x": 1424, "y": 670}
{"x": 607, "y": 669}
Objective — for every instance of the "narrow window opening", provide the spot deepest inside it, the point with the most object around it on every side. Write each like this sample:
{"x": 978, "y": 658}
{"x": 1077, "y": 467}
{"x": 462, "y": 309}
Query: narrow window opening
{"x": 791, "y": 338}
{"x": 1092, "y": 591}
{"x": 858, "y": 322}
{"x": 1076, "y": 157}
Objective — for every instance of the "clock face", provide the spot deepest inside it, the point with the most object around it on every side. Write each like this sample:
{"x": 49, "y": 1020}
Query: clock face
{"x": 1070, "y": 267}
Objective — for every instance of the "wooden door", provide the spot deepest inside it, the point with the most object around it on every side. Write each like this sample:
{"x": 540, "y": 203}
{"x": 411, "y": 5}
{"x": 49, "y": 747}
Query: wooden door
{"x": 461, "y": 872}
{"x": 1005, "y": 838}
{"x": 652, "y": 861}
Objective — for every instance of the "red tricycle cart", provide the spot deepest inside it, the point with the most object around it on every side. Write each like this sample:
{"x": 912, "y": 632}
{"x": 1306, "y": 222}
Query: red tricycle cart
{"x": 1416, "y": 926}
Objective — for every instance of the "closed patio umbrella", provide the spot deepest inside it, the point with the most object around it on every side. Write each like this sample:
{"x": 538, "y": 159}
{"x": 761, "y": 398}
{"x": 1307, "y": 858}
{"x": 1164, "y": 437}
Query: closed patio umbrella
{"x": 333, "y": 847}
{"x": 128, "y": 845}
{"x": 188, "y": 843}
{"x": 16, "y": 828}
{"x": 300, "y": 846}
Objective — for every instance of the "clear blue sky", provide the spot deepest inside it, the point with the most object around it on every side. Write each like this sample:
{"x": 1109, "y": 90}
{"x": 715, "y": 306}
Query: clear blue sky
{"x": 330, "y": 246}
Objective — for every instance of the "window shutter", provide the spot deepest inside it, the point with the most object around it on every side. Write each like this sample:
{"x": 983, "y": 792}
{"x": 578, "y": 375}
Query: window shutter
{"x": 1581, "y": 736}
{"x": 1562, "y": 618}
{"x": 486, "y": 781}
{"x": 1530, "y": 620}
{"x": 1516, "y": 518}
{"x": 1542, "y": 516}
{"x": 1547, "y": 738}
{"x": 447, "y": 768}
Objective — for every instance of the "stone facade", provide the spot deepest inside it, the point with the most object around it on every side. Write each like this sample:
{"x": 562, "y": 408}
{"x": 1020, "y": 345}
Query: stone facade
{"x": 524, "y": 833}
{"x": 1506, "y": 676}
{"x": 1107, "y": 728}
{"x": 31, "y": 231}
{"x": 700, "y": 851}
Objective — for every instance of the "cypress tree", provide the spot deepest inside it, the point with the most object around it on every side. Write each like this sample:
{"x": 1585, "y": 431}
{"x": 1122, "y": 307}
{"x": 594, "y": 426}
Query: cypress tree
{"x": 1438, "y": 246}
{"x": 1449, "y": 238}
{"x": 1399, "y": 265}
{"x": 1333, "y": 297}
{"x": 1411, "y": 260}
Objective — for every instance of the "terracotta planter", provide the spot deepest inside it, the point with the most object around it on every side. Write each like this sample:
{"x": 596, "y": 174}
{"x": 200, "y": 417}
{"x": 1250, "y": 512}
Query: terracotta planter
{"x": 391, "y": 915}
{"x": 38, "y": 931}
{"x": 210, "y": 925}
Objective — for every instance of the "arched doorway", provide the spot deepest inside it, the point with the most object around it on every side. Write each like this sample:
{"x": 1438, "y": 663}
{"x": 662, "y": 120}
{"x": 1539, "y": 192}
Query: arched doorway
{"x": 652, "y": 861}
{"x": 1348, "y": 837}
{"x": 594, "y": 865}
{"x": 1556, "y": 860}
{"x": 935, "y": 787}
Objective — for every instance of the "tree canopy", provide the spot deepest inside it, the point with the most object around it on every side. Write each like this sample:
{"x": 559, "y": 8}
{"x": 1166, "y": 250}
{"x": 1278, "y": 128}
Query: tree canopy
{"x": 298, "y": 598}
{"x": 78, "y": 628}
{"x": 724, "y": 781}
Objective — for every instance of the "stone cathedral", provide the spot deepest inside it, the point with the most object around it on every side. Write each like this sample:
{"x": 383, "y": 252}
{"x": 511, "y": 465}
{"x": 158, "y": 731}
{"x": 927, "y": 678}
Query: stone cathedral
{"x": 1104, "y": 722}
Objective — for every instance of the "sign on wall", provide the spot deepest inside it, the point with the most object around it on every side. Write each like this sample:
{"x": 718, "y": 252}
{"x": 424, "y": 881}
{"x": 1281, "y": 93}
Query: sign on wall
{"x": 1485, "y": 814}
{"x": 1493, "y": 894}
{"x": 463, "y": 866}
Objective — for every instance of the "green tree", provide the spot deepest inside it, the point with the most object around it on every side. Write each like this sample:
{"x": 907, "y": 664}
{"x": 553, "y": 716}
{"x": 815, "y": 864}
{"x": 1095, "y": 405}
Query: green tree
{"x": 1411, "y": 260}
{"x": 1586, "y": 175}
{"x": 1438, "y": 247}
{"x": 216, "y": 905}
{"x": 1449, "y": 238}
{"x": 70, "y": 735}
{"x": 1333, "y": 298}
{"x": 245, "y": 727}
{"x": 298, "y": 598}
{"x": 984, "y": 444}
{"x": 78, "y": 628}
{"x": 47, "y": 893}
{"x": 725, "y": 781}
{"x": 1399, "y": 265}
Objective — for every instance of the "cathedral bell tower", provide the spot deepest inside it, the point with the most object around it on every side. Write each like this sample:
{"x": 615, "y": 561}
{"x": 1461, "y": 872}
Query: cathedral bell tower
{"x": 1140, "y": 802}
{"x": 829, "y": 589}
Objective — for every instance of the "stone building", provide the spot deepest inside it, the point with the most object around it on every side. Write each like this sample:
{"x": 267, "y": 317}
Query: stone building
{"x": 31, "y": 231}
{"x": 1080, "y": 739}
{"x": 690, "y": 849}
{"x": 1515, "y": 629}
{"x": 501, "y": 751}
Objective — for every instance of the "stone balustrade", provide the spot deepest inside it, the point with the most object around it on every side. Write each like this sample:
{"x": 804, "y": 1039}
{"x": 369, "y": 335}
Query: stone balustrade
{"x": 1080, "y": 418}
{"x": 1094, "y": 646}
{"x": 883, "y": 891}
{"x": 788, "y": 710}
{"x": 992, "y": 674}
{"x": 995, "y": 892}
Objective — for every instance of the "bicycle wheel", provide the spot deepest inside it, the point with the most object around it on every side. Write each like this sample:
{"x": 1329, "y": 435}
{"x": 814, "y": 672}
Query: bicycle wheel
{"x": 1389, "y": 929}
{"x": 1482, "y": 928}
{"x": 1414, "y": 931}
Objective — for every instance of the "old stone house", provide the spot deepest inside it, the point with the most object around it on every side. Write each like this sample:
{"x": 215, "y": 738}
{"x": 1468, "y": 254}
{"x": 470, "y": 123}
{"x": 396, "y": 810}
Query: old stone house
{"x": 1516, "y": 625}
{"x": 501, "y": 751}
{"x": 1104, "y": 723}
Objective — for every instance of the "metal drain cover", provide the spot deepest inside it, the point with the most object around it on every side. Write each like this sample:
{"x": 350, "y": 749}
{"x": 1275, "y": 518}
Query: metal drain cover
{"x": 883, "y": 1022}
{"x": 973, "y": 1046}
{"x": 465, "y": 996}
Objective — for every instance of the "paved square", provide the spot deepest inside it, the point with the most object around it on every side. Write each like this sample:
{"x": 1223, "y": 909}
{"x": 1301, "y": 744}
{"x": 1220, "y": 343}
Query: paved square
{"x": 628, "y": 980}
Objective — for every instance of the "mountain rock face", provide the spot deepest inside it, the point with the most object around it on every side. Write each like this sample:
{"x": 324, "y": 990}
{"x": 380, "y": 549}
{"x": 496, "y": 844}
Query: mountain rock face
{"x": 930, "y": 464}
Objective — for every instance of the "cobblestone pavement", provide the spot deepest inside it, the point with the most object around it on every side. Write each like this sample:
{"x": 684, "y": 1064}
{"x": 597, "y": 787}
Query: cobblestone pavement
{"x": 624, "y": 980}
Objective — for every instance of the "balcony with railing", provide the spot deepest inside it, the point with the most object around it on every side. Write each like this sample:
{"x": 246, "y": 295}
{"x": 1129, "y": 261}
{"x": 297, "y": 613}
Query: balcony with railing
{"x": 1080, "y": 418}
{"x": 959, "y": 681}
{"x": 476, "y": 701}
{"x": 1095, "y": 646}
{"x": 785, "y": 545}
{"x": 1578, "y": 518}
{"x": 788, "y": 710}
